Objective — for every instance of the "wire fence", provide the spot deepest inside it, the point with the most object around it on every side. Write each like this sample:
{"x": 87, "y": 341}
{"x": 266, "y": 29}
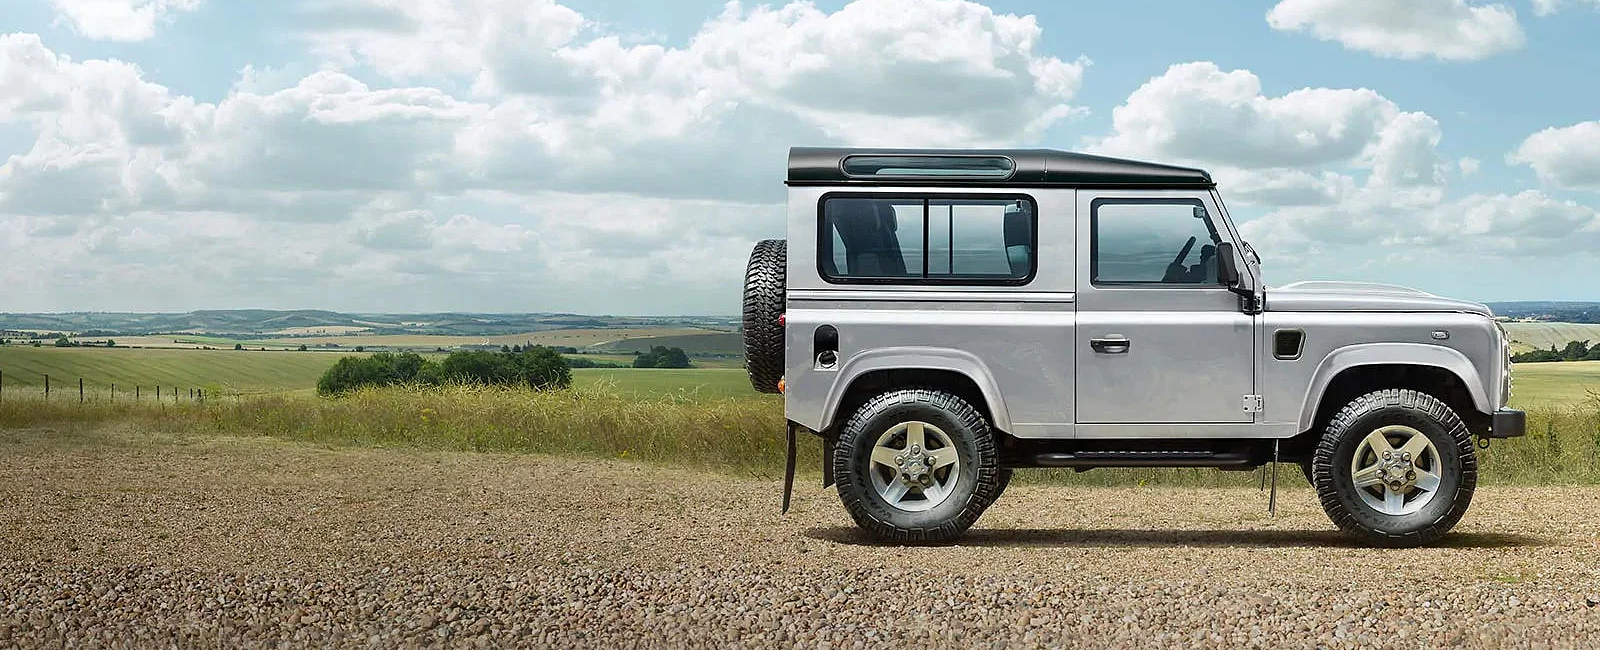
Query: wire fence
{"x": 75, "y": 389}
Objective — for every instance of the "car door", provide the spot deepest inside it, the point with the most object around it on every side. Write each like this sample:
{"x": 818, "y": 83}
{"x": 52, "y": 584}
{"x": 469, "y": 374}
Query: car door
{"x": 1158, "y": 339}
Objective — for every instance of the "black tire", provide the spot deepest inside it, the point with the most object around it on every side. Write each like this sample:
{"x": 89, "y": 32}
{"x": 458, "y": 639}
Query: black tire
{"x": 765, "y": 278}
{"x": 977, "y": 485}
{"x": 1457, "y": 468}
{"x": 1002, "y": 483}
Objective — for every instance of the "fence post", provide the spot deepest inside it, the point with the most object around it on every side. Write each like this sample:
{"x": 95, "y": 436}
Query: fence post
{"x": 80, "y": 390}
{"x": 158, "y": 393}
{"x": 113, "y": 393}
{"x": 135, "y": 392}
{"x": 47, "y": 388}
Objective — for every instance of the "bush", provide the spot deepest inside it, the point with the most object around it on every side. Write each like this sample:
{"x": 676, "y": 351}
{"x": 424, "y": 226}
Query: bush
{"x": 381, "y": 369}
{"x": 536, "y": 368}
{"x": 545, "y": 369}
{"x": 1536, "y": 356}
{"x": 662, "y": 357}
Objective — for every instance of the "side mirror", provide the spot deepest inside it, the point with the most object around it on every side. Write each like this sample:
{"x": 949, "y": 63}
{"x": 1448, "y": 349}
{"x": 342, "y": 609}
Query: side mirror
{"x": 1227, "y": 268}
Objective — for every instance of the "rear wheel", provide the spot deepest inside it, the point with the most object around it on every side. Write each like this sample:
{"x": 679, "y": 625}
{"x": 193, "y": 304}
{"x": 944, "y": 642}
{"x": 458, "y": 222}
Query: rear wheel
{"x": 916, "y": 465}
{"x": 1395, "y": 468}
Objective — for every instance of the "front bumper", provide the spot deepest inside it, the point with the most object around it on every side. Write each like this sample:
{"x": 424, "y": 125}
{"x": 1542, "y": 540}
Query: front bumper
{"x": 1507, "y": 423}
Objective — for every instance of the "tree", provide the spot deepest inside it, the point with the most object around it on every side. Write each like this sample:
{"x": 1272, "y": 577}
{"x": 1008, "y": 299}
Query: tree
{"x": 63, "y": 342}
{"x": 361, "y": 348}
{"x": 545, "y": 369}
{"x": 110, "y": 343}
{"x": 238, "y": 346}
{"x": 662, "y": 357}
{"x": 302, "y": 347}
{"x": 505, "y": 348}
{"x": 516, "y": 349}
{"x": 1575, "y": 350}
{"x": 1536, "y": 356}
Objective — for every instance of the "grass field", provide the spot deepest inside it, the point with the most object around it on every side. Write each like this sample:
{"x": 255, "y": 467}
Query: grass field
{"x": 251, "y": 371}
{"x": 577, "y": 338}
{"x": 706, "y": 416}
{"x": 1530, "y": 336}
{"x": 1554, "y": 384}
{"x": 217, "y": 370}
{"x": 713, "y": 342}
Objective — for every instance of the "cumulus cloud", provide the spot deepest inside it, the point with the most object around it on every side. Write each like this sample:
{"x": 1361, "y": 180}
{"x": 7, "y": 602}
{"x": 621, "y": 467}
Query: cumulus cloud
{"x": 1298, "y": 148}
{"x": 1565, "y": 157}
{"x": 1452, "y": 30}
{"x": 118, "y": 20}
{"x": 507, "y": 153}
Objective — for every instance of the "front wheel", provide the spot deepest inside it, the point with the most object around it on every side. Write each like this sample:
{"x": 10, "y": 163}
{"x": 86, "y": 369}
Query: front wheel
{"x": 916, "y": 465}
{"x": 1395, "y": 468}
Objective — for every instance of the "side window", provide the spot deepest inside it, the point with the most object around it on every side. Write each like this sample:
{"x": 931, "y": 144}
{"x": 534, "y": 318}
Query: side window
{"x": 873, "y": 238}
{"x": 934, "y": 240}
{"x": 980, "y": 238}
{"x": 1151, "y": 241}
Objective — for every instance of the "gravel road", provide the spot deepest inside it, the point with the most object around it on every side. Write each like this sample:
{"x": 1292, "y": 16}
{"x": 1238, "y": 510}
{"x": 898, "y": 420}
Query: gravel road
{"x": 133, "y": 540}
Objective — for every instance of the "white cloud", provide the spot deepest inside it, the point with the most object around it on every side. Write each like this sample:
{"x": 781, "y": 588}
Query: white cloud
{"x": 1566, "y": 157}
{"x": 1452, "y": 30}
{"x": 118, "y": 20}
{"x": 1469, "y": 166}
{"x": 1295, "y": 149}
{"x": 431, "y": 161}
{"x": 1549, "y": 7}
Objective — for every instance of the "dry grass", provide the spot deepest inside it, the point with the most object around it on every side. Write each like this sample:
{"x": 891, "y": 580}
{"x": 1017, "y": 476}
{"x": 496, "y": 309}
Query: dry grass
{"x": 739, "y": 435}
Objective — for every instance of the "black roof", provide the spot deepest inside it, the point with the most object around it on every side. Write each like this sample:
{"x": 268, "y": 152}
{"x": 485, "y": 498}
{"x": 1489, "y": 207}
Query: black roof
{"x": 1028, "y": 168}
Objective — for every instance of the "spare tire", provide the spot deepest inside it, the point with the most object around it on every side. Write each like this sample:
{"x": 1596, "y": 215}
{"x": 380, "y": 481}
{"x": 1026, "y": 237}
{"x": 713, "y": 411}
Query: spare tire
{"x": 764, "y": 281}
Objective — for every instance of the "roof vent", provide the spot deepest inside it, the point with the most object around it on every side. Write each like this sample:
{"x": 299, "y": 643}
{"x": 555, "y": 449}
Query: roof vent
{"x": 992, "y": 167}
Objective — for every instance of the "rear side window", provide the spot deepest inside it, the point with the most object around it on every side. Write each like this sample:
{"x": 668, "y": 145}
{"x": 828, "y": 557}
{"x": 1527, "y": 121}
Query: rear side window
{"x": 935, "y": 240}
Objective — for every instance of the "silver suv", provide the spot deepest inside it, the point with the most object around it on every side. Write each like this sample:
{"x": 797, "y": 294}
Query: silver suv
{"x": 941, "y": 318}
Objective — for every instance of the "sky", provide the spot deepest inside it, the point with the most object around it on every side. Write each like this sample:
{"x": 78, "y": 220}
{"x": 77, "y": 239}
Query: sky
{"x": 622, "y": 156}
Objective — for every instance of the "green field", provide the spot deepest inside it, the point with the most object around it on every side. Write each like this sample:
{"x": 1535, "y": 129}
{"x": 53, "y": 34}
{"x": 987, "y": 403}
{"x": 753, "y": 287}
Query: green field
{"x": 1554, "y": 384}
{"x": 708, "y": 342}
{"x": 251, "y": 371}
{"x": 1529, "y": 336}
{"x": 226, "y": 370}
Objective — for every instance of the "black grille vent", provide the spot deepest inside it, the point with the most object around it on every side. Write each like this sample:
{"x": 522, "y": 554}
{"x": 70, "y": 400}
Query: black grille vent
{"x": 1286, "y": 344}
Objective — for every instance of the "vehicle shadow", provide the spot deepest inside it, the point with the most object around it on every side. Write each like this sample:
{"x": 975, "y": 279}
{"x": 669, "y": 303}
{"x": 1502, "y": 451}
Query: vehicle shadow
{"x": 1088, "y": 538}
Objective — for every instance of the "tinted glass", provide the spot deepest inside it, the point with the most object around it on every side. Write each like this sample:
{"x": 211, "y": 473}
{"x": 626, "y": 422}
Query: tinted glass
{"x": 1154, "y": 242}
{"x": 873, "y": 238}
{"x": 971, "y": 166}
{"x": 981, "y": 240}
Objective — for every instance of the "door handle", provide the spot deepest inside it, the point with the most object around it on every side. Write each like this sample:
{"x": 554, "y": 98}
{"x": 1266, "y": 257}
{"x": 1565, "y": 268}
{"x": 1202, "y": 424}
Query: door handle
{"x": 1110, "y": 346}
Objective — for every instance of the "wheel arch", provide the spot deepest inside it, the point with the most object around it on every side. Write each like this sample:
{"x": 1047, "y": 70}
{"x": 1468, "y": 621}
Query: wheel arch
{"x": 957, "y": 372}
{"x": 1352, "y": 371}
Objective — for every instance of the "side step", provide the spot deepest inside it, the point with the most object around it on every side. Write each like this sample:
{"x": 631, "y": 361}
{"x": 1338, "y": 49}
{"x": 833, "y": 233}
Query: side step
{"x": 1141, "y": 458}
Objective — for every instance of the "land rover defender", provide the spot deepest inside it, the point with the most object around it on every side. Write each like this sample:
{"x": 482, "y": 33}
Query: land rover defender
{"x": 941, "y": 318}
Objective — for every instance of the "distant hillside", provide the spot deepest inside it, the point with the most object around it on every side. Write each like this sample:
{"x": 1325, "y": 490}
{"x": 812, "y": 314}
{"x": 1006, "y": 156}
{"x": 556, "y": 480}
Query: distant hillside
{"x": 265, "y": 323}
{"x": 1554, "y": 311}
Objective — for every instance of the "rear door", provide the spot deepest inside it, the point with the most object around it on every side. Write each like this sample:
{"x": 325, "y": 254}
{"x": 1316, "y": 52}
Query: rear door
{"x": 1158, "y": 339}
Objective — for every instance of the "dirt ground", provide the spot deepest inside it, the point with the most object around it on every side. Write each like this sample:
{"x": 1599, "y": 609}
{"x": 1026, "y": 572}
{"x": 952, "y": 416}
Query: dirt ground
{"x": 133, "y": 540}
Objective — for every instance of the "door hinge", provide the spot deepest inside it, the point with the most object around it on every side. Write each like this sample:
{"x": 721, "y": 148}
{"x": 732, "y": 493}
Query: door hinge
{"x": 1252, "y": 403}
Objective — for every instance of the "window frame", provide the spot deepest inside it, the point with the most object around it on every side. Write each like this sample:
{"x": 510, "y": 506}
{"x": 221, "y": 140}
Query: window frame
{"x": 1094, "y": 241}
{"x": 825, "y": 238}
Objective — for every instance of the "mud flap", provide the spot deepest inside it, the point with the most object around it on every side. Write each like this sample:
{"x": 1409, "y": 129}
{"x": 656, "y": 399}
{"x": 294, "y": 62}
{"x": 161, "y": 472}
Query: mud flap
{"x": 788, "y": 468}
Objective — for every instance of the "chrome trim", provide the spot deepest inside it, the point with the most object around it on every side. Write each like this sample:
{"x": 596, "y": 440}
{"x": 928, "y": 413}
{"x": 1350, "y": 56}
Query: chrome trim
{"x": 881, "y": 295}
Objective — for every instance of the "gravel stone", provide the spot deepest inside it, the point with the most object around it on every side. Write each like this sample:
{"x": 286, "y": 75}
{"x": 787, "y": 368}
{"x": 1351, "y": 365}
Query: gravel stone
{"x": 139, "y": 540}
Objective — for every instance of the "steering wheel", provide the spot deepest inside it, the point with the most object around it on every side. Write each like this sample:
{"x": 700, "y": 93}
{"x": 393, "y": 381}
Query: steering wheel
{"x": 1176, "y": 271}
